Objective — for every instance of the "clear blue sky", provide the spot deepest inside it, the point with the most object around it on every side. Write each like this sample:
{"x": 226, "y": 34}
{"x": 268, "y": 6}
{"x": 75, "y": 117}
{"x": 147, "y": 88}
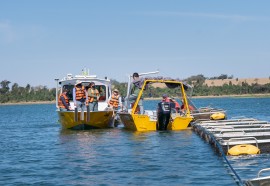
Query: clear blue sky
{"x": 41, "y": 40}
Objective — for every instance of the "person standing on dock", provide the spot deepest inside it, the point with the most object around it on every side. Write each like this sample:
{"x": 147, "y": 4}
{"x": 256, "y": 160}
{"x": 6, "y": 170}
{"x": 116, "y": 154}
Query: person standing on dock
{"x": 80, "y": 98}
{"x": 93, "y": 96}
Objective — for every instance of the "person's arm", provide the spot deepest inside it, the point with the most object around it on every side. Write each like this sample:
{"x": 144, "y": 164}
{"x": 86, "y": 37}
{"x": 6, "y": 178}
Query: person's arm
{"x": 86, "y": 95}
{"x": 120, "y": 102}
{"x": 108, "y": 102}
{"x": 64, "y": 102}
{"x": 74, "y": 96}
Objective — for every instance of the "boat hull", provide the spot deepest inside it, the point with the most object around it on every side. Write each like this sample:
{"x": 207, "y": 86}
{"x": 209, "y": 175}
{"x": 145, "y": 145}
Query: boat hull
{"x": 137, "y": 122}
{"x": 98, "y": 120}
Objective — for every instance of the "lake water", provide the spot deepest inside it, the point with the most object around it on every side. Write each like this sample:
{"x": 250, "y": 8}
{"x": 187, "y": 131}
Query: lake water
{"x": 36, "y": 151}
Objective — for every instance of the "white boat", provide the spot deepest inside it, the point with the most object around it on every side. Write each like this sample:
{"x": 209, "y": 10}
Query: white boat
{"x": 75, "y": 119}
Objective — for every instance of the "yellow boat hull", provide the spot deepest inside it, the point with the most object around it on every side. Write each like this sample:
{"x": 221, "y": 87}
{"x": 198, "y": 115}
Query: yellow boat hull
{"x": 138, "y": 122}
{"x": 98, "y": 120}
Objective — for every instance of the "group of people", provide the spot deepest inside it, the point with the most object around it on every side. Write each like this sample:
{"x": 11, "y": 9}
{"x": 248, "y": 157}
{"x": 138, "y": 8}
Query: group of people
{"x": 87, "y": 97}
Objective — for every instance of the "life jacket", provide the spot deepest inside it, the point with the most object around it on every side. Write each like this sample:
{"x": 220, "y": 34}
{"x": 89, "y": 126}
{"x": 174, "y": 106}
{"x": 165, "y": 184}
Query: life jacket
{"x": 114, "y": 101}
{"x": 177, "y": 106}
{"x": 166, "y": 100}
{"x": 60, "y": 103}
{"x": 183, "y": 107}
{"x": 80, "y": 93}
{"x": 95, "y": 92}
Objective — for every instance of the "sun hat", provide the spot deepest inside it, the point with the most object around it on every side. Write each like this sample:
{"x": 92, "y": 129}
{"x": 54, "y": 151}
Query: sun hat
{"x": 78, "y": 82}
{"x": 115, "y": 90}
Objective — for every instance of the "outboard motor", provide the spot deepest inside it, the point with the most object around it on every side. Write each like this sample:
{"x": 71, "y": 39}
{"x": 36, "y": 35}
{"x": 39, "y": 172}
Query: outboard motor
{"x": 164, "y": 114}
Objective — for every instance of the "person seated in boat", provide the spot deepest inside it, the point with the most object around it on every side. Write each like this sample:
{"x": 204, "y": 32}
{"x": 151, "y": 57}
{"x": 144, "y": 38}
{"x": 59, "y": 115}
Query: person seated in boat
{"x": 93, "y": 96}
{"x": 80, "y": 98}
{"x": 183, "y": 107}
{"x": 136, "y": 88}
{"x": 63, "y": 101}
{"x": 115, "y": 100}
{"x": 177, "y": 105}
{"x": 102, "y": 95}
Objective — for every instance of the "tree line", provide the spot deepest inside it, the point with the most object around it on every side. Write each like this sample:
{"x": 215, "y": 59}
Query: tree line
{"x": 16, "y": 93}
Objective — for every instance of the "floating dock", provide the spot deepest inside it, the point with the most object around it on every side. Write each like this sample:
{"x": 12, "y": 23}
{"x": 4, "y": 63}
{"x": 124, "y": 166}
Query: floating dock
{"x": 243, "y": 133}
{"x": 242, "y": 136}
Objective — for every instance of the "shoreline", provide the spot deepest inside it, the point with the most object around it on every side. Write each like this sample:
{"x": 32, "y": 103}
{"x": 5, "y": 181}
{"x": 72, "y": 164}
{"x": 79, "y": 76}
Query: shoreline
{"x": 193, "y": 97}
{"x": 28, "y": 103}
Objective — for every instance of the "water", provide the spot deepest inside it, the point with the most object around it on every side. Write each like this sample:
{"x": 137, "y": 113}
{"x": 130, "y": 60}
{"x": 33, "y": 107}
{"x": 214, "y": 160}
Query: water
{"x": 36, "y": 151}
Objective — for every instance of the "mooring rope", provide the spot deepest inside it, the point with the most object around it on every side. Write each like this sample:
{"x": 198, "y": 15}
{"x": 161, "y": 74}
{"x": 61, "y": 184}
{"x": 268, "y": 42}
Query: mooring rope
{"x": 240, "y": 182}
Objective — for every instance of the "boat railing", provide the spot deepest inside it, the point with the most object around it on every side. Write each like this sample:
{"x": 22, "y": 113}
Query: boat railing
{"x": 261, "y": 171}
{"x": 126, "y": 105}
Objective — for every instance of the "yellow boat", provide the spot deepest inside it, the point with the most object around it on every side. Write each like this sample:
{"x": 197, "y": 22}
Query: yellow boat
{"x": 152, "y": 120}
{"x": 74, "y": 119}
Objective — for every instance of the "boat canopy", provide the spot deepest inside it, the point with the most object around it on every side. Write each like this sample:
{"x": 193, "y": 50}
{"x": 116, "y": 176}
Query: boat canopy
{"x": 169, "y": 82}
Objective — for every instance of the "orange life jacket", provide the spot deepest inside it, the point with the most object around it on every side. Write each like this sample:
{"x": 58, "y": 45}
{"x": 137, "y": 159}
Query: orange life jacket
{"x": 95, "y": 92}
{"x": 114, "y": 101}
{"x": 60, "y": 103}
{"x": 183, "y": 107}
{"x": 80, "y": 93}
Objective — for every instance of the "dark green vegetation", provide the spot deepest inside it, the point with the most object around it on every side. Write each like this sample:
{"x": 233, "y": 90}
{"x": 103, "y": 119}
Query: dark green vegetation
{"x": 24, "y": 94}
{"x": 16, "y": 93}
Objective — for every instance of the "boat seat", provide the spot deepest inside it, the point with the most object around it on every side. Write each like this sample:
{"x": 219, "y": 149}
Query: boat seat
{"x": 151, "y": 113}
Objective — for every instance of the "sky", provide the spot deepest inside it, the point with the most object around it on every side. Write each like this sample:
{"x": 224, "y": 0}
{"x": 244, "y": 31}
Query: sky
{"x": 47, "y": 39}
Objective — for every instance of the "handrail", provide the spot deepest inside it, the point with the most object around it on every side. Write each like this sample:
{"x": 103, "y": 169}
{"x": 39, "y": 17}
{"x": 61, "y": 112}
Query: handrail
{"x": 263, "y": 170}
{"x": 56, "y": 93}
{"x": 129, "y": 85}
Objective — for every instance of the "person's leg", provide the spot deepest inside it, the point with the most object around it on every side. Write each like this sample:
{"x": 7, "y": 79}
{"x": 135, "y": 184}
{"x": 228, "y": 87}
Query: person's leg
{"x": 91, "y": 106}
{"x": 95, "y": 106}
{"x": 141, "y": 106}
{"x": 78, "y": 105}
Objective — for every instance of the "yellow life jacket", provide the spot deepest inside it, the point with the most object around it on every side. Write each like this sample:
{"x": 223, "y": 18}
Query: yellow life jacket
{"x": 94, "y": 92}
{"x": 114, "y": 101}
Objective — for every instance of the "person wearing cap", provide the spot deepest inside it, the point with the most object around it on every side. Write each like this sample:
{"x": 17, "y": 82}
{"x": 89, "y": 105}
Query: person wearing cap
{"x": 135, "y": 90}
{"x": 63, "y": 101}
{"x": 115, "y": 100}
{"x": 80, "y": 97}
{"x": 165, "y": 98}
{"x": 93, "y": 96}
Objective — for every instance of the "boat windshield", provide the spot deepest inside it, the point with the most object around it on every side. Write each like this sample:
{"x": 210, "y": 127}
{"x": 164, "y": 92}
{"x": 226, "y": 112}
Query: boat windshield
{"x": 101, "y": 89}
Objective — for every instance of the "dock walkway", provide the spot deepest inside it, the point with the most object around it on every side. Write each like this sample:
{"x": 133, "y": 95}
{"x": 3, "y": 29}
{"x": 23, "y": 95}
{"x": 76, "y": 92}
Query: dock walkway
{"x": 242, "y": 134}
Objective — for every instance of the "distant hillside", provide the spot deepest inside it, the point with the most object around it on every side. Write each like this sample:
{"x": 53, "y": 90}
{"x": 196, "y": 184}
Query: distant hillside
{"x": 220, "y": 82}
{"x": 249, "y": 81}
